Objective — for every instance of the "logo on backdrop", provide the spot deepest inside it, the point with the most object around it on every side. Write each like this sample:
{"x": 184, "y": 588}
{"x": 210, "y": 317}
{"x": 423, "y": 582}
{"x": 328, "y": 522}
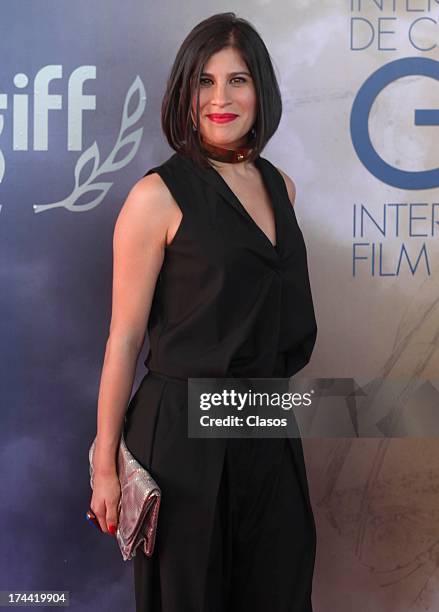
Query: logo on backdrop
{"x": 87, "y": 186}
{"x": 419, "y": 221}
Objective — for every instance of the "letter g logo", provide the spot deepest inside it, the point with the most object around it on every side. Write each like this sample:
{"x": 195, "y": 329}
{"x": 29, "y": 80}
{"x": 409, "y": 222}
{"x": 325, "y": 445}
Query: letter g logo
{"x": 359, "y": 122}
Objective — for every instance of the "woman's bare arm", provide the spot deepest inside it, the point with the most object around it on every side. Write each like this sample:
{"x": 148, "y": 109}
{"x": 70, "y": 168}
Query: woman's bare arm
{"x": 138, "y": 249}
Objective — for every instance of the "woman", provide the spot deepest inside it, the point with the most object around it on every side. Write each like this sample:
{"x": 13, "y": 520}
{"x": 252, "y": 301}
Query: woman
{"x": 209, "y": 257}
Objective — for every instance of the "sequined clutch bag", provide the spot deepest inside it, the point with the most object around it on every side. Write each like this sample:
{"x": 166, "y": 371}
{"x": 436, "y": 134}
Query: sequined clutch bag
{"x": 138, "y": 505}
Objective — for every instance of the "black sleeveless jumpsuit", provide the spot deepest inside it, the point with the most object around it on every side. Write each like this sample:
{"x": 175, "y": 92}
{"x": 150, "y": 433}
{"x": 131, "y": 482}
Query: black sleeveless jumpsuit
{"x": 236, "y": 530}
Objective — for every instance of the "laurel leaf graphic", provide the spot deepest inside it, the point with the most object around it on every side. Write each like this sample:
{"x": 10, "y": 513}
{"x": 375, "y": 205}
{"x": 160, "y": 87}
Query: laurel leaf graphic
{"x": 90, "y": 153}
{"x": 110, "y": 165}
{"x": 101, "y": 187}
{"x": 136, "y": 87}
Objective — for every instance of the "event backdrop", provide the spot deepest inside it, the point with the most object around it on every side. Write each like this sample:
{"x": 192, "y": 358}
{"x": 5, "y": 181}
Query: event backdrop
{"x": 80, "y": 90}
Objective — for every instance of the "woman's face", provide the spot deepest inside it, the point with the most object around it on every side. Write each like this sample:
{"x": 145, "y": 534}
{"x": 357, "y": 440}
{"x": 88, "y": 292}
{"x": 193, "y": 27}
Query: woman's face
{"x": 226, "y": 87}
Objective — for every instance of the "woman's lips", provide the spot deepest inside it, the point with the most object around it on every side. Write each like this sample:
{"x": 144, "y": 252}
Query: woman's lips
{"x": 223, "y": 118}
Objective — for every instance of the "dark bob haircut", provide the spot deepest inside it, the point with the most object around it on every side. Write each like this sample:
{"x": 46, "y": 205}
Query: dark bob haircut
{"x": 208, "y": 37}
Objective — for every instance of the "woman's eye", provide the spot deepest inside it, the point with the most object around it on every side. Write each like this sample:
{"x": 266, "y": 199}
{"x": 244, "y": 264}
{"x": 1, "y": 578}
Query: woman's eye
{"x": 205, "y": 79}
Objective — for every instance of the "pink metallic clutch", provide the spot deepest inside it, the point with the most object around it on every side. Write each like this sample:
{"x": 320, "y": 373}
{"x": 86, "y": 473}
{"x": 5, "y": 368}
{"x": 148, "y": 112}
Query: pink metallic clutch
{"x": 138, "y": 505}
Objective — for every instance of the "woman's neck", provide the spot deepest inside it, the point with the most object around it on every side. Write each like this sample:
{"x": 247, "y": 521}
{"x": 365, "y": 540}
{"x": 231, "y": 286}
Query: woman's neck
{"x": 239, "y": 169}
{"x": 229, "y": 158}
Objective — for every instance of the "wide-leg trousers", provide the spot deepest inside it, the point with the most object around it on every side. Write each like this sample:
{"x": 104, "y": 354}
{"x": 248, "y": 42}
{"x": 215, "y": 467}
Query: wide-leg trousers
{"x": 263, "y": 544}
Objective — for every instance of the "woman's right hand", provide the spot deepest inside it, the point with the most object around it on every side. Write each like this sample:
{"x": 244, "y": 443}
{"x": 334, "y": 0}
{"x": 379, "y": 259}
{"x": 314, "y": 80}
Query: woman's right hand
{"x": 105, "y": 500}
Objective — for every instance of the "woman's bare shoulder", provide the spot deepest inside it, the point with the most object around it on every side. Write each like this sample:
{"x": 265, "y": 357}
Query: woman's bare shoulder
{"x": 291, "y": 187}
{"x": 148, "y": 209}
{"x": 151, "y": 191}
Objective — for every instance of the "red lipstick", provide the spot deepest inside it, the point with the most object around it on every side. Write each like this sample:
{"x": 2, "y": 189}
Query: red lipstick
{"x": 222, "y": 117}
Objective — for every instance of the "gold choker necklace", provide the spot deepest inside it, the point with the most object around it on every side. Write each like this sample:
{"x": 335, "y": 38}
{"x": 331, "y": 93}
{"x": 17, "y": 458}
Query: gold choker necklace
{"x": 231, "y": 156}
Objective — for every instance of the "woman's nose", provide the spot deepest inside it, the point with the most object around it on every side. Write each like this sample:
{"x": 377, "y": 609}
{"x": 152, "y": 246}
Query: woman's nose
{"x": 220, "y": 94}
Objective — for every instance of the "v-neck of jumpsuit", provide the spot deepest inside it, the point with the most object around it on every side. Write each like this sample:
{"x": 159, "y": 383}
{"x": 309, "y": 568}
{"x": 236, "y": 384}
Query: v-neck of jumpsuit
{"x": 246, "y": 213}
